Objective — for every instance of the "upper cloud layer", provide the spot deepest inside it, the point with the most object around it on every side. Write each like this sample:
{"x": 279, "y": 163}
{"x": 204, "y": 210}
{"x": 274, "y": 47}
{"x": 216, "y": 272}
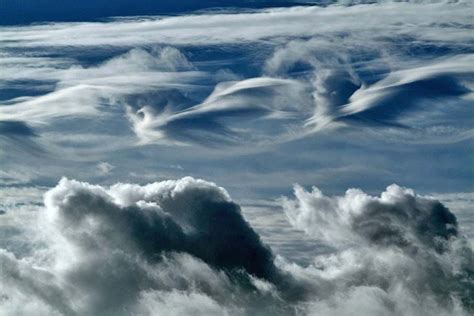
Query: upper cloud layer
{"x": 255, "y": 77}
{"x": 212, "y": 28}
{"x": 235, "y": 112}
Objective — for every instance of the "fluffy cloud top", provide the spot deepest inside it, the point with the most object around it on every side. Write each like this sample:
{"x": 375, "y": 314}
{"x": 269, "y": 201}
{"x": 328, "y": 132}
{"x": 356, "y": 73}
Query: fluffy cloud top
{"x": 397, "y": 218}
{"x": 402, "y": 243}
{"x": 129, "y": 248}
{"x": 182, "y": 246}
{"x": 187, "y": 215}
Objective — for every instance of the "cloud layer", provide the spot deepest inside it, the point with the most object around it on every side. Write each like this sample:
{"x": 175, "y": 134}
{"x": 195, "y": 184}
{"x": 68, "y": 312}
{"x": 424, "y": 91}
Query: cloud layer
{"x": 183, "y": 247}
{"x": 263, "y": 76}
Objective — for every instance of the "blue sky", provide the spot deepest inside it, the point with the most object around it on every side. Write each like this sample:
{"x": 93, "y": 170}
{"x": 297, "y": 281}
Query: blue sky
{"x": 256, "y": 97}
{"x": 24, "y": 11}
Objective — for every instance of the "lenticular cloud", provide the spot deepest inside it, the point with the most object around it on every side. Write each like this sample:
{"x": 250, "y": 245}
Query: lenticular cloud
{"x": 243, "y": 77}
{"x": 182, "y": 247}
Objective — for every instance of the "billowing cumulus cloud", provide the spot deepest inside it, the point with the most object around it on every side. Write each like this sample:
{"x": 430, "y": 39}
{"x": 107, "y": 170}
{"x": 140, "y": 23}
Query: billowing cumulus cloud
{"x": 134, "y": 249}
{"x": 188, "y": 215}
{"x": 399, "y": 253}
{"x": 182, "y": 246}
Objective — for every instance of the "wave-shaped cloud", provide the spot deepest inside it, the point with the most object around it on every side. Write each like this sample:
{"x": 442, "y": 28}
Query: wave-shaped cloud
{"x": 246, "y": 105}
{"x": 182, "y": 246}
{"x": 263, "y": 76}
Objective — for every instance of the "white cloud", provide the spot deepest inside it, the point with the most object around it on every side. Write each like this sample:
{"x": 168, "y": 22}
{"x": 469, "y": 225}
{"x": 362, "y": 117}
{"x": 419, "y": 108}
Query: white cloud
{"x": 83, "y": 91}
{"x": 259, "y": 100}
{"x": 330, "y": 40}
{"x": 105, "y": 167}
{"x": 387, "y": 18}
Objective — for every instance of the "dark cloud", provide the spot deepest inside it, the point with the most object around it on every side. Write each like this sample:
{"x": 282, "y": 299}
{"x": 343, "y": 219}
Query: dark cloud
{"x": 183, "y": 247}
{"x": 428, "y": 221}
{"x": 199, "y": 220}
{"x": 113, "y": 246}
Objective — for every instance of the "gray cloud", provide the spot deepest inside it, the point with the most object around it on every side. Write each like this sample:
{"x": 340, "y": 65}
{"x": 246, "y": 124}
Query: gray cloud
{"x": 397, "y": 243}
{"x": 183, "y": 247}
{"x": 125, "y": 249}
{"x": 186, "y": 216}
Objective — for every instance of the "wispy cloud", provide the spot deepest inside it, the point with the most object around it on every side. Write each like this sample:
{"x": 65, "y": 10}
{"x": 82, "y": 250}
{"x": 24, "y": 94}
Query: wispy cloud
{"x": 349, "y": 72}
{"x": 235, "y": 83}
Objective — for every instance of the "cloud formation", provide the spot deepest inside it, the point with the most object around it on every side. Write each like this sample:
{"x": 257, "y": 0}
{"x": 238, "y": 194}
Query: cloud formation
{"x": 261, "y": 76}
{"x": 109, "y": 251}
{"x": 183, "y": 246}
{"x": 235, "y": 112}
{"x": 212, "y": 28}
{"x": 393, "y": 251}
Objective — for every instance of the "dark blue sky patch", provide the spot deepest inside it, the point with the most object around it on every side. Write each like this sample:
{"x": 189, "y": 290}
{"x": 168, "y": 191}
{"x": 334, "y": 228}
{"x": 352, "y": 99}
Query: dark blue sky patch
{"x": 16, "y": 128}
{"x": 24, "y": 11}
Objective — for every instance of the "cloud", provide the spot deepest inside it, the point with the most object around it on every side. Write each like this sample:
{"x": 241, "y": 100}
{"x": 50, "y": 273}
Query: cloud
{"x": 391, "y": 250}
{"x": 398, "y": 217}
{"x": 156, "y": 88}
{"x": 212, "y": 28}
{"x": 81, "y": 96}
{"x": 13, "y": 177}
{"x": 186, "y": 216}
{"x": 322, "y": 68}
{"x": 461, "y": 204}
{"x": 389, "y": 98}
{"x": 220, "y": 117}
{"x": 128, "y": 248}
{"x": 350, "y": 89}
{"x": 105, "y": 167}
{"x": 182, "y": 246}
{"x": 87, "y": 91}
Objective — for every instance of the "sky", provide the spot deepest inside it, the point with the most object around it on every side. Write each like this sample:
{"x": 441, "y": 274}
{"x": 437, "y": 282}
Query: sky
{"x": 334, "y": 140}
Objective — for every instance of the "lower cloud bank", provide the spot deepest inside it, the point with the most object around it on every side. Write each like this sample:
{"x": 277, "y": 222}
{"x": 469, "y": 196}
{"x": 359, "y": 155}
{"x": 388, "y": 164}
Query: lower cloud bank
{"x": 183, "y": 247}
